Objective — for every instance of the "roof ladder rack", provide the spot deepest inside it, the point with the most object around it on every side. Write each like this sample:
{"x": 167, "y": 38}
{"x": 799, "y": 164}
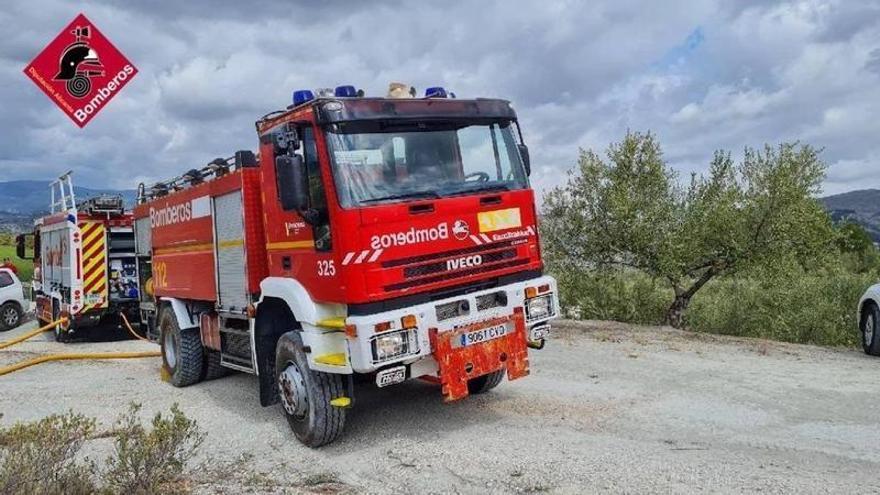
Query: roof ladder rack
{"x": 62, "y": 198}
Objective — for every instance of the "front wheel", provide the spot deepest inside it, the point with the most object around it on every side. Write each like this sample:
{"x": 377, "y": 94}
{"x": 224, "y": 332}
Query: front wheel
{"x": 306, "y": 394}
{"x": 869, "y": 330}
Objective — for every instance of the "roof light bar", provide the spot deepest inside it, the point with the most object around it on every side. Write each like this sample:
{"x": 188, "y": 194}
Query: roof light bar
{"x": 345, "y": 91}
{"x": 301, "y": 96}
{"x": 435, "y": 92}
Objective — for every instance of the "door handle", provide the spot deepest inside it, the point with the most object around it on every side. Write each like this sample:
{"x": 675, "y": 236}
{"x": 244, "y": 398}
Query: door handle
{"x": 421, "y": 208}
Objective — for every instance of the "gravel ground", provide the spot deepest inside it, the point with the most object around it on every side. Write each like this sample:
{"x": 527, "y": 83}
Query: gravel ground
{"x": 608, "y": 407}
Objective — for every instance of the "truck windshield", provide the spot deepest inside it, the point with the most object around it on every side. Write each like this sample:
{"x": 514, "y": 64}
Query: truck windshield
{"x": 396, "y": 162}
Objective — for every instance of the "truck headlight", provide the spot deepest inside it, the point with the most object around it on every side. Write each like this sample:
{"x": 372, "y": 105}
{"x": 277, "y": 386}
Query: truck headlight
{"x": 539, "y": 307}
{"x": 394, "y": 345}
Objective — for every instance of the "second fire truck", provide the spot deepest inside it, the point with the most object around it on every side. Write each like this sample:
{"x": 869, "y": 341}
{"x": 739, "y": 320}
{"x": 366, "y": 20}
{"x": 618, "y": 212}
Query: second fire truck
{"x": 84, "y": 261}
{"x": 389, "y": 237}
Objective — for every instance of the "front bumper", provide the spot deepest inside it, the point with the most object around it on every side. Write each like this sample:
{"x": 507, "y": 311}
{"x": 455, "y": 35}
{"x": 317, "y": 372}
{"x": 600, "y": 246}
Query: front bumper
{"x": 434, "y": 322}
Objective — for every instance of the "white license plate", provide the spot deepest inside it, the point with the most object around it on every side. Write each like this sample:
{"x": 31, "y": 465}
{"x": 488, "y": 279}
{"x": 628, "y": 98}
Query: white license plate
{"x": 540, "y": 332}
{"x": 483, "y": 335}
{"x": 391, "y": 376}
{"x": 94, "y": 299}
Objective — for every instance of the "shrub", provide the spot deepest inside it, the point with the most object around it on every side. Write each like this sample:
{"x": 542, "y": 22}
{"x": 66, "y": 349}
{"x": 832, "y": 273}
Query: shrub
{"x": 612, "y": 294}
{"x": 40, "y": 457}
{"x": 808, "y": 308}
{"x": 151, "y": 461}
{"x": 786, "y": 302}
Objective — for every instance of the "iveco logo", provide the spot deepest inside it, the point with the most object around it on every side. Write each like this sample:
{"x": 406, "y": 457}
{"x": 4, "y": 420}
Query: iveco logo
{"x": 464, "y": 262}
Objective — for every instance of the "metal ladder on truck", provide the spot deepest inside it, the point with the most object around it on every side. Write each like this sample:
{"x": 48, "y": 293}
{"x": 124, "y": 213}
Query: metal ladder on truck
{"x": 62, "y": 197}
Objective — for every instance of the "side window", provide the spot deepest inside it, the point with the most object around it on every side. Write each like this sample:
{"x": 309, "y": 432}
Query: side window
{"x": 316, "y": 186}
{"x": 317, "y": 194}
{"x": 5, "y": 280}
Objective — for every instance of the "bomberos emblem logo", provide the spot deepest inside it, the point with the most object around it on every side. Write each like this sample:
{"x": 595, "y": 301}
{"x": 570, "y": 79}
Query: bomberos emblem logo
{"x": 80, "y": 70}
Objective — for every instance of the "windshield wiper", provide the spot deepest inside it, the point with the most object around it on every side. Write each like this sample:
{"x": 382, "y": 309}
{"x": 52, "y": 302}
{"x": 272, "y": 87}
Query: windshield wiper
{"x": 409, "y": 195}
{"x": 484, "y": 188}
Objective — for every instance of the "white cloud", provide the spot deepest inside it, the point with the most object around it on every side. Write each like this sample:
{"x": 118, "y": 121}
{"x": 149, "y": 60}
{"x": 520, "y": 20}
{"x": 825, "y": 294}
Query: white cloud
{"x": 579, "y": 76}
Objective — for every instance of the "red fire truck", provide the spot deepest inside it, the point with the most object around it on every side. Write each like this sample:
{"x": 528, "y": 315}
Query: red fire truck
{"x": 84, "y": 261}
{"x": 391, "y": 237}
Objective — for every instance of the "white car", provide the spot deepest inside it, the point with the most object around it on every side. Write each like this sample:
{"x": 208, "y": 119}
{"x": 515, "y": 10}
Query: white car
{"x": 869, "y": 320}
{"x": 12, "y": 301}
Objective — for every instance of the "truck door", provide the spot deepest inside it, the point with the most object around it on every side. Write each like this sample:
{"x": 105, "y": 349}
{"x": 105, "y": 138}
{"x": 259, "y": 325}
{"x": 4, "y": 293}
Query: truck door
{"x": 298, "y": 248}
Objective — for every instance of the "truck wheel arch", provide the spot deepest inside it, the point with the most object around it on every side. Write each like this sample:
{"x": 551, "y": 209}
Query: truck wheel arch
{"x": 186, "y": 318}
{"x": 268, "y": 329}
{"x": 298, "y": 300}
{"x": 283, "y": 300}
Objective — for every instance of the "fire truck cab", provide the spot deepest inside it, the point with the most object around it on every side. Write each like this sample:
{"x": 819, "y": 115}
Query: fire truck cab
{"x": 392, "y": 237}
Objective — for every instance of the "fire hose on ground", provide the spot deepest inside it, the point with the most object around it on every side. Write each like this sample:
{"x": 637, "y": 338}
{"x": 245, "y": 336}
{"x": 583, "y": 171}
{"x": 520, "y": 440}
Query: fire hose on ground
{"x": 69, "y": 356}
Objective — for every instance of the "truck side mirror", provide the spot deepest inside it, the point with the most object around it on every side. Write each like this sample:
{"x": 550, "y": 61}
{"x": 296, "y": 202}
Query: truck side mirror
{"x": 524, "y": 154}
{"x": 21, "y": 247}
{"x": 293, "y": 185}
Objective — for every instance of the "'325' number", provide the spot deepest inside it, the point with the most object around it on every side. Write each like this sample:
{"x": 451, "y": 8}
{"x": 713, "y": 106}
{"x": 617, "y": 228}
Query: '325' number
{"x": 326, "y": 268}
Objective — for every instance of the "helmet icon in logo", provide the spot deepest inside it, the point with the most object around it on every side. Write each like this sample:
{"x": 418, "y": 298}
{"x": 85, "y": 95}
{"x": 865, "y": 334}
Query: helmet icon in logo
{"x": 461, "y": 230}
{"x": 79, "y": 62}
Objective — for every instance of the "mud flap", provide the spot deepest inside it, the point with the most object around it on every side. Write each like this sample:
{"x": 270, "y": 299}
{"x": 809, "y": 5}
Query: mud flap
{"x": 459, "y": 363}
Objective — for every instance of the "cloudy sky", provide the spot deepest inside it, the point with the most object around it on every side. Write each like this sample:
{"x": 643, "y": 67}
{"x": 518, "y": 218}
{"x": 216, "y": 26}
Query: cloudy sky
{"x": 702, "y": 75}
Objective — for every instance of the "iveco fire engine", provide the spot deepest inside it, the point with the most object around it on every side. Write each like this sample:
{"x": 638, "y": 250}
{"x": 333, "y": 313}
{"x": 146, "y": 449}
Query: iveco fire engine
{"x": 84, "y": 263}
{"x": 392, "y": 237}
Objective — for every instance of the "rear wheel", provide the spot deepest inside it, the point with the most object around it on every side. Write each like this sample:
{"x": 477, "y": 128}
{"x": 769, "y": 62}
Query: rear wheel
{"x": 485, "y": 383}
{"x": 212, "y": 367}
{"x": 10, "y": 316}
{"x": 869, "y": 329}
{"x": 181, "y": 351}
{"x": 306, "y": 394}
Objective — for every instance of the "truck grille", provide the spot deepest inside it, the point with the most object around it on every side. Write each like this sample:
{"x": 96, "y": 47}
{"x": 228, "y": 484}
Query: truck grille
{"x": 440, "y": 266}
{"x": 433, "y": 268}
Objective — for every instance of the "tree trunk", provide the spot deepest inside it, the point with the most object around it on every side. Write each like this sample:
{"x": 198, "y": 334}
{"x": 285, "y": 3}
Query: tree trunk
{"x": 675, "y": 313}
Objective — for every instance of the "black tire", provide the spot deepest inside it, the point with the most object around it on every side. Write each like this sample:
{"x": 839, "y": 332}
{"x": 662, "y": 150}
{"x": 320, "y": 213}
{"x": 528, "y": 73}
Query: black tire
{"x": 316, "y": 423}
{"x": 869, "y": 328}
{"x": 212, "y": 368}
{"x": 10, "y": 316}
{"x": 485, "y": 383}
{"x": 181, "y": 351}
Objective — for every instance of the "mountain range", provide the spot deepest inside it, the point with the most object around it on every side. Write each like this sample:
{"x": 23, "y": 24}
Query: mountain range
{"x": 861, "y": 207}
{"x": 23, "y": 200}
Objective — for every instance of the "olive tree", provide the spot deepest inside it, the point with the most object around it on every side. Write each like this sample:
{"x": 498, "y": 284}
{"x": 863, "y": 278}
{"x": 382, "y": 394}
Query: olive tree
{"x": 629, "y": 209}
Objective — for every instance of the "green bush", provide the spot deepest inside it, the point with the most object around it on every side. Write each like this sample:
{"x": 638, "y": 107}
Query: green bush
{"x": 151, "y": 461}
{"x": 787, "y": 303}
{"x": 808, "y": 308}
{"x": 40, "y": 457}
{"x": 43, "y": 457}
{"x": 621, "y": 295}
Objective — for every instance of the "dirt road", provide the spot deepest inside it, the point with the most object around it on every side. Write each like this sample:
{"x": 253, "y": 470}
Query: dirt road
{"x": 607, "y": 407}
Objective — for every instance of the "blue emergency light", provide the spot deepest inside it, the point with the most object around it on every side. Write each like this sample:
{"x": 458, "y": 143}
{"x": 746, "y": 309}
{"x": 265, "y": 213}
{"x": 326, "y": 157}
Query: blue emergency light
{"x": 345, "y": 92}
{"x": 435, "y": 92}
{"x": 301, "y": 96}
